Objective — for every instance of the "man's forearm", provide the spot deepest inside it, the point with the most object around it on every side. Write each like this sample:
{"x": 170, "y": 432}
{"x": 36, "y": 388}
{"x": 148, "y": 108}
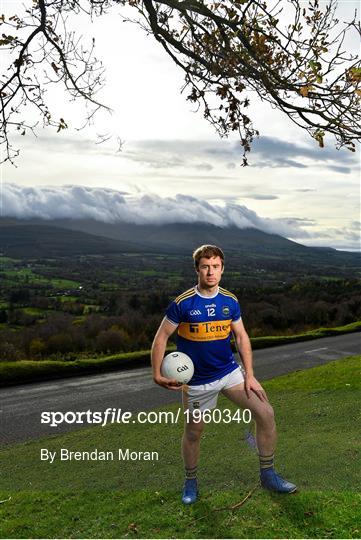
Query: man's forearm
{"x": 157, "y": 355}
{"x": 245, "y": 351}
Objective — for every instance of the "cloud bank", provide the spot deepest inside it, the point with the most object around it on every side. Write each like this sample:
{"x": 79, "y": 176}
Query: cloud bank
{"x": 266, "y": 152}
{"x": 111, "y": 206}
{"x": 206, "y": 155}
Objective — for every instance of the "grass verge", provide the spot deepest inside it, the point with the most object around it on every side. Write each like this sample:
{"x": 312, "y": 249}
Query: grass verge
{"x": 319, "y": 449}
{"x": 34, "y": 370}
{"x": 274, "y": 341}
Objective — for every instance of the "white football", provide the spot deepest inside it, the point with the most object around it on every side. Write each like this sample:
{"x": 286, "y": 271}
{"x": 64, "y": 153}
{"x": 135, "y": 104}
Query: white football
{"x": 177, "y": 365}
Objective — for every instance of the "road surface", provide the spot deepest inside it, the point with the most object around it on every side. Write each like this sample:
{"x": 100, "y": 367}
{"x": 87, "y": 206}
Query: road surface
{"x": 134, "y": 390}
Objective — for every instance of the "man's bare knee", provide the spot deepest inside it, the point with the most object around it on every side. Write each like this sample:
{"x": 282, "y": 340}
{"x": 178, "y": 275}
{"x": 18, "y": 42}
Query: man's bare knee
{"x": 193, "y": 431}
{"x": 265, "y": 414}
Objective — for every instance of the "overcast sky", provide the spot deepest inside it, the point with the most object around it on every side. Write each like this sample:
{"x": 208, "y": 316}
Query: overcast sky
{"x": 172, "y": 165}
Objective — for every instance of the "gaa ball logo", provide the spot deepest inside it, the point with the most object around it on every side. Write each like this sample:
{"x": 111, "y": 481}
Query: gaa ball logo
{"x": 178, "y": 366}
{"x": 182, "y": 368}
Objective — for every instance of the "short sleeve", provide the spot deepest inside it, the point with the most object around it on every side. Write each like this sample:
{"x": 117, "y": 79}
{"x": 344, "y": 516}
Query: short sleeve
{"x": 236, "y": 315}
{"x": 173, "y": 313}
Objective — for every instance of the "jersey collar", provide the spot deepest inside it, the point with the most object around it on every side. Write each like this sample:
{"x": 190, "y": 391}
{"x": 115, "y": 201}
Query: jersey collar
{"x": 204, "y": 296}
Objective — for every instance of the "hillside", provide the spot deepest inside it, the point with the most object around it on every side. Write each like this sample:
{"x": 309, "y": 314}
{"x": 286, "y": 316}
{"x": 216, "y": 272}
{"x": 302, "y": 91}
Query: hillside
{"x": 40, "y": 238}
{"x": 38, "y": 241}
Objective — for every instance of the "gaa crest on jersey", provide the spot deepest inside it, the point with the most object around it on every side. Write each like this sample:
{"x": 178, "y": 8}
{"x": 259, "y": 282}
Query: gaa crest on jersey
{"x": 225, "y": 310}
{"x": 195, "y": 312}
{"x": 195, "y": 404}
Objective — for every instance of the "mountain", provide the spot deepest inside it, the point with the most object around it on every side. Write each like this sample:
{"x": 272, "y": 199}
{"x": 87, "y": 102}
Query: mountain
{"x": 184, "y": 236}
{"x": 42, "y": 241}
{"x": 62, "y": 237}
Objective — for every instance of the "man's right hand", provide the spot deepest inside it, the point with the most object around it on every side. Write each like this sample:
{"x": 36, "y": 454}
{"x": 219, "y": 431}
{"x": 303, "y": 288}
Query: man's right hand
{"x": 170, "y": 384}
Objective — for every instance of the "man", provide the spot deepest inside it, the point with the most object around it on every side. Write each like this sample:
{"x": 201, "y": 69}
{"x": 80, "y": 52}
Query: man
{"x": 205, "y": 317}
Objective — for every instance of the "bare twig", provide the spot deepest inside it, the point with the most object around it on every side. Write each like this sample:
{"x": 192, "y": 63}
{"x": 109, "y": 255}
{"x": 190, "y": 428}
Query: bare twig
{"x": 228, "y": 50}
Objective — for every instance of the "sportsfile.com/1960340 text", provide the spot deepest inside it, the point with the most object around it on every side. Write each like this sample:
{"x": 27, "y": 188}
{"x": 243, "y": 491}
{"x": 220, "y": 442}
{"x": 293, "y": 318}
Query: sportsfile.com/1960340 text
{"x": 118, "y": 416}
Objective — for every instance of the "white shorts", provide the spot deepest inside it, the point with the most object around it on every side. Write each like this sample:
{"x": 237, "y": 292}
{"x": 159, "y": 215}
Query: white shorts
{"x": 204, "y": 396}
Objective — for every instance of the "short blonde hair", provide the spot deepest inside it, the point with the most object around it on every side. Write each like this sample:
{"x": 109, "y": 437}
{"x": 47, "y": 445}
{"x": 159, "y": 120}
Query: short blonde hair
{"x": 207, "y": 251}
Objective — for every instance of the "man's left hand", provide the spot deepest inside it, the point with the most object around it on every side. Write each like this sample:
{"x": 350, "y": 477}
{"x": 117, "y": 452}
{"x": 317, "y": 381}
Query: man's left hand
{"x": 252, "y": 385}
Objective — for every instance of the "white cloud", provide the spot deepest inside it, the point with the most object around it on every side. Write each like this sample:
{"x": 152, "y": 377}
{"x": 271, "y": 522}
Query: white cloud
{"x": 114, "y": 206}
{"x": 266, "y": 152}
{"x": 203, "y": 155}
{"x": 102, "y": 204}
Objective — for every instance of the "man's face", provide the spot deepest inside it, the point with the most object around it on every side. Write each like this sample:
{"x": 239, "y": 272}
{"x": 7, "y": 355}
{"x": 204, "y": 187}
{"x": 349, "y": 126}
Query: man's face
{"x": 210, "y": 272}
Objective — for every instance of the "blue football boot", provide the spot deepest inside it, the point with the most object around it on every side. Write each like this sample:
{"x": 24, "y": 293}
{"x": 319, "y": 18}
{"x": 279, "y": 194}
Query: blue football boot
{"x": 190, "y": 491}
{"x": 274, "y": 482}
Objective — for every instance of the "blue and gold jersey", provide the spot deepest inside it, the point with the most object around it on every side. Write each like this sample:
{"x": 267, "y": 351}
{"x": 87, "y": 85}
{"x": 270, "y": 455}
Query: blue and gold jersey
{"x": 204, "y": 331}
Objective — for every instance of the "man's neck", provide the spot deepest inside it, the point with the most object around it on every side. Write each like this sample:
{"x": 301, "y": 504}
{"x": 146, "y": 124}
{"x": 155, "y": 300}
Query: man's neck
{"x": 209, "y": 291}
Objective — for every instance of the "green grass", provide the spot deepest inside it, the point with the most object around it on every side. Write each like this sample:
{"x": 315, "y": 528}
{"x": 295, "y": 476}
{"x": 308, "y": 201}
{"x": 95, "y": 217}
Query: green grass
{"x": 4, "y": 260}
{"x": 23, "y": 272}
{"x": 148, "y": 273}
{"x": 275, "y": 341}
{"x": 109, "y": 286}
{"x": 319, "y": 449}
{"x": 88, "y": 308}
{"x": 34, "y": 311}
{"x": 64, "y": 283}
{"x": 32, "y": 370}
{"x": 64, "y": 298}
{"x": 26, "y": 274}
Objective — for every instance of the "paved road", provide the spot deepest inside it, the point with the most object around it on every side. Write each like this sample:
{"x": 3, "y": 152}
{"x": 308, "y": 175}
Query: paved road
{"x": 133, "y": 390}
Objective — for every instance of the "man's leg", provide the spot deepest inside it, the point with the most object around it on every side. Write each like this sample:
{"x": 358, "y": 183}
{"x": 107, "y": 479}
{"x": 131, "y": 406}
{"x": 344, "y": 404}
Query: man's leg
{"x": 266, "y": 436}
{"x": 195, "y": 400}
{"x": 190, "y": 451}
{"x": 262, "y": 413}
{"x": 191, "y": 442}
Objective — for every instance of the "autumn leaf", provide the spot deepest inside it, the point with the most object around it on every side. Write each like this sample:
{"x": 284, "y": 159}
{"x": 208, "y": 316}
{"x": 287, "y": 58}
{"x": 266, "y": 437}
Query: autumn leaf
{"x": 315, "y": 66}
{"x": 319, "y": 135}
{"x": 62, "y": 125}
{"x": 354, "y": 74}
{"x": 304, "y": 90}
{"x": 7, "y": 40}
{"x": 132, "y": 527}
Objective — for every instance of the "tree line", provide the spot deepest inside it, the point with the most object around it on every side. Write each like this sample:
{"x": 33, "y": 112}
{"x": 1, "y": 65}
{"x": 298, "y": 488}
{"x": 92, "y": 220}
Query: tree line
{"x": 127, "y": 321}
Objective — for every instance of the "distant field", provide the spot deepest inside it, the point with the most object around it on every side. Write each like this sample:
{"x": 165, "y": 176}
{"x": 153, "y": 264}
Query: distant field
{"x": 7, "y": 260}
{"x": 109, "y": 286}
{"x": 60, "y": 308}
{"x": 67, "y": 298}
{"x": 24, "y": 275}
{"x": 28, "y": 276}
{"x": 34, "y": 311}
{"x": 64, "y": 283}
{"x": 148, "y": 273}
